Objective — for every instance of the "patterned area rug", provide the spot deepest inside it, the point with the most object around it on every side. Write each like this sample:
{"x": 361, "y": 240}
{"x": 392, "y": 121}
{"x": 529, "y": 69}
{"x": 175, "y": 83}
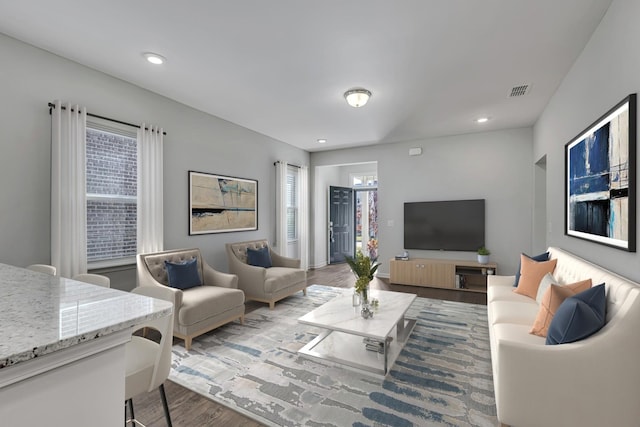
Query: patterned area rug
{"x": 442, "y": 377}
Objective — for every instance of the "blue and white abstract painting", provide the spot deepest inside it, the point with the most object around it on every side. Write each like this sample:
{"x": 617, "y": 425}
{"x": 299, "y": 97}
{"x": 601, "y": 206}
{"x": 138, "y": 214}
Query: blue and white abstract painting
{"x": 598, "y": 171}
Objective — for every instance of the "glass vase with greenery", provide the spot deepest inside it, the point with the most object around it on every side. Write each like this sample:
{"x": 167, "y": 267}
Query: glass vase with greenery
{"x": 364, "y": 269}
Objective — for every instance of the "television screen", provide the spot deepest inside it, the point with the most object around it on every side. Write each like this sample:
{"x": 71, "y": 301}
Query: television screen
{"x": 454, "y": 225}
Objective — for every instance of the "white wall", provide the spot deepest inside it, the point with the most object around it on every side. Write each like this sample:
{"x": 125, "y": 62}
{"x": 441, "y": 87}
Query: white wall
{"x": 606, "y": 72}
{"x": 30, "y": 78}
{"x": 496, "y": 166}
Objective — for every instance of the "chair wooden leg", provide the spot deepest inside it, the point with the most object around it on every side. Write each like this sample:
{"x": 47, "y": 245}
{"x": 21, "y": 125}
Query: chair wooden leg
{"x": 242, "y": 319}
{"x": 187, "y": 343}
{"x": 272, "y": 305}
{"x": 163, "y": 396}
{"x": 304, "y": 292}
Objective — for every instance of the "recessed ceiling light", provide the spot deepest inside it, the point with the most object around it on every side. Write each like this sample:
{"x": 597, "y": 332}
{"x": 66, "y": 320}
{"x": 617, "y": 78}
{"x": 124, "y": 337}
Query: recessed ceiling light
{"x": 322, "y": 141}
{"x": 482, "y": 120}
{"x": 154, "y": 58}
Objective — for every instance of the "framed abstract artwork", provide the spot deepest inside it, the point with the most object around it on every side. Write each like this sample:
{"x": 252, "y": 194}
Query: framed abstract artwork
{"x": 600, "y": 179}
{"x": 220, "y": 204}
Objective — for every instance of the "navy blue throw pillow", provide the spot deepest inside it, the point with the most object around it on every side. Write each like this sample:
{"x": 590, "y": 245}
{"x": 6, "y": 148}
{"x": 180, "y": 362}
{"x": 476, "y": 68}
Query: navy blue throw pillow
{"x": 579, "y": 316}
{"x": 183, "y": 274}
{"x": 259, "y": 257}
{"x": 540, "y": 258}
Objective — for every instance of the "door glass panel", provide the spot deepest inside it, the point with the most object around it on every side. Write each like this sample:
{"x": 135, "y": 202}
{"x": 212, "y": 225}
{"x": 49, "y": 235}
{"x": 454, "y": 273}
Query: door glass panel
{"x": 366, "y": 217}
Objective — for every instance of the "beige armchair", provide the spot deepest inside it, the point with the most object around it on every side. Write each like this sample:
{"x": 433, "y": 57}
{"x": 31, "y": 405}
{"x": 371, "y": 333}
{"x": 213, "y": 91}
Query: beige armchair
{"x": 265, "y": 284}
{"x": 199, "y": 309}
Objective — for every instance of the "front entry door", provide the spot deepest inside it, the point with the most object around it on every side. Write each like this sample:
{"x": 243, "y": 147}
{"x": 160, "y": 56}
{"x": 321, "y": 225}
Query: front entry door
{"x": 341, "y": 226}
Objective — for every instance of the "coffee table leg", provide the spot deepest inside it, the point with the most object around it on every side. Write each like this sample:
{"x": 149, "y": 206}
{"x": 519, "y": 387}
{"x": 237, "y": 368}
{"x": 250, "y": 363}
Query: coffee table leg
{"x": 400, "y": 328}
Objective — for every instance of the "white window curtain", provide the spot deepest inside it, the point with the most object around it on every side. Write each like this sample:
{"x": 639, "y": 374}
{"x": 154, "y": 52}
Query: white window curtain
{"x": 280, "y": 243}
{"x": 150, "y": 226}
{"x": 303, "y": 212}
{"x": 68, "y": 194}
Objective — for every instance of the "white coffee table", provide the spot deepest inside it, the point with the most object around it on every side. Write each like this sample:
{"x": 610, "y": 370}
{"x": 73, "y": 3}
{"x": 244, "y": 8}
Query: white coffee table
{"x": 347, "y": 332}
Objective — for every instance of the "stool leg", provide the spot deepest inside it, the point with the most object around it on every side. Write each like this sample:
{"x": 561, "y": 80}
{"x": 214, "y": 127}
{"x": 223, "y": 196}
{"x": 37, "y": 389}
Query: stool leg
{"x": 130, "y": 404}
{"x": 163, "y": 396}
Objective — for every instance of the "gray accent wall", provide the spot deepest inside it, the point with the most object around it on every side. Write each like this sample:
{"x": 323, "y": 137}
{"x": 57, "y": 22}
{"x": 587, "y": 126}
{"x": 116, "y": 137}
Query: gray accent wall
{"x": 31, "y": 77}
{"x": 607, "y": 71}
{"x": 496, "y": 166}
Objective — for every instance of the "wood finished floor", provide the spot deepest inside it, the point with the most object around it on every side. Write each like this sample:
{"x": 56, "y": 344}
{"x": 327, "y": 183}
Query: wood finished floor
{"x": 189, "y": 409}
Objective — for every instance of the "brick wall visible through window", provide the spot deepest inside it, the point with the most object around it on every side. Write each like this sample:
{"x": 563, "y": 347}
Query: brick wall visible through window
{"x": 111, "y": 195}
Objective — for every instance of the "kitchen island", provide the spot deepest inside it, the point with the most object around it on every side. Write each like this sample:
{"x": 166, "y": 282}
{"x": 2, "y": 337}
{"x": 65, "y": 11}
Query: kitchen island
{"x": 62, "y": 354}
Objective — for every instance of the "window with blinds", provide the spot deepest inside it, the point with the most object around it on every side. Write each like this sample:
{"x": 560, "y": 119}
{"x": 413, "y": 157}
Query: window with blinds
{"x": 111, "y": 195}
{"x": 292, "y": 204}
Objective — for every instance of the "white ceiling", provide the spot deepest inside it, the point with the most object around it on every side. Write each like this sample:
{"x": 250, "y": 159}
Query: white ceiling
{"x": 280, "y": 67}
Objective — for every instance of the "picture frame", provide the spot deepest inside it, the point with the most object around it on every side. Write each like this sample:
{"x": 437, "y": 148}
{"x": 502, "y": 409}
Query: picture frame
{"x": 221, "y": 204}
{"x": 600, "y": 179}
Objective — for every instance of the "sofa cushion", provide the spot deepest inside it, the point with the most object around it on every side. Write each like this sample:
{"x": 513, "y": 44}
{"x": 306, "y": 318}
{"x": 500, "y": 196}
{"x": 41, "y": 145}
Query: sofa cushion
{"x": 203, "y": 302}
{"x": 551, "y": 300}
{"x": 531, "y": 273}
{"x": 579, "y": 316}
{"x": 259, "y": 257}
{"x": 522, "y": 313}
{"x": 279, "y": 278}
{"x": 183, "y": 274}
{"x": 505, "y": 293}
{"x": 541, "y": 257}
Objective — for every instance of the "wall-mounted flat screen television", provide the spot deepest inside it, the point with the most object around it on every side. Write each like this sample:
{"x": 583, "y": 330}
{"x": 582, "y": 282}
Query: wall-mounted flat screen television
{"x": 453, "y": 225}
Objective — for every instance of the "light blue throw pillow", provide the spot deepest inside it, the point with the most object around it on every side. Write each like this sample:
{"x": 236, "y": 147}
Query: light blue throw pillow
{"x": 579, "y": 316}
{"x": 184, "y": 274}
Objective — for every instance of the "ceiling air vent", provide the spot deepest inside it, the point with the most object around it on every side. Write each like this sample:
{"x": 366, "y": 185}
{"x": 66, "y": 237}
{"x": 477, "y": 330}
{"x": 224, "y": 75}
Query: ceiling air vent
{"x": 519, "y": 90}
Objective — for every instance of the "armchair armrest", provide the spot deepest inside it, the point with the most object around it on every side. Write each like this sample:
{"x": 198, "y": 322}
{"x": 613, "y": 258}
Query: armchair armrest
{"x": 281, "y": 261}
{"x": 177, "y": 293}
{"x": 212, "y": 277}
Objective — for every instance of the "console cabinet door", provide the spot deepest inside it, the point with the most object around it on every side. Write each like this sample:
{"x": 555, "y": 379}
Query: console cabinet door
{"x": 441, "y": 275}
{"x": 422, "y": 272}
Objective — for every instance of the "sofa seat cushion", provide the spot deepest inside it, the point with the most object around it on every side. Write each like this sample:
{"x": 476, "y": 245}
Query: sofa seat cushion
{"x": 279, "y": 278}
{"x": 203, "y": 302}
{"x": 514, "y": 333}
{"x": 505, "y": 293}
{"x": 521, "y": 313}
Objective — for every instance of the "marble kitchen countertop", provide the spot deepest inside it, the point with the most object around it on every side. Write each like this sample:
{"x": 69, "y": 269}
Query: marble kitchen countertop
{"x": 41, "y": 314}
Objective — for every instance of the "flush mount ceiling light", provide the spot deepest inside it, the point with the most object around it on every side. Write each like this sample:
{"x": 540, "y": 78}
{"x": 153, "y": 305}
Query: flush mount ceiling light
{"x": 154, "y": 58}
{"x": 482, "y": 120}
{"x": 357, "y": 97}
{"x": 322, "y": 141}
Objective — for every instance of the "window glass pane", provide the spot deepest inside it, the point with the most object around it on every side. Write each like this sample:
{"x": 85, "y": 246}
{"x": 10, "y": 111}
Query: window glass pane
{"x": 292, "y": 192}
{"x": 111, "y": 230}
{"x": 292, "y": 204}
{"x": 111, "y": 195}
{"x": 364, "y": 180}
{"x": 112, "y": 166}
{"x": 292, "y": 223}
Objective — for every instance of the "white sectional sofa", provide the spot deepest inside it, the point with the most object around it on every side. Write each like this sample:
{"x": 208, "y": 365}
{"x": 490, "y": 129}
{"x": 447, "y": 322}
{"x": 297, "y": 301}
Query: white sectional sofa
{"x": 592, "y": 382}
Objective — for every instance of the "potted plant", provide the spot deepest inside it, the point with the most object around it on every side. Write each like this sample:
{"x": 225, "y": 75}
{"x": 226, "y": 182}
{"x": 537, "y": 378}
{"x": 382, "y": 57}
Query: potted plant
{"x": 364, "y": 269}
{"x": 483, "y": 255}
